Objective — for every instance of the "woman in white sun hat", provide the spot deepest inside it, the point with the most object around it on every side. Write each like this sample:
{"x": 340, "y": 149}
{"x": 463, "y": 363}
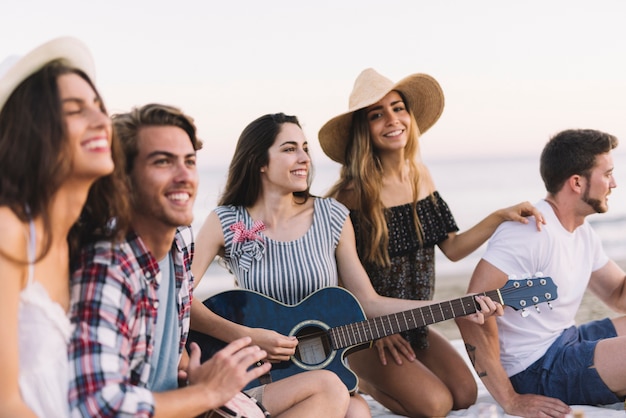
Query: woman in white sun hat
{"x": 399, "y": 218}
{"x": 55, "y": 142}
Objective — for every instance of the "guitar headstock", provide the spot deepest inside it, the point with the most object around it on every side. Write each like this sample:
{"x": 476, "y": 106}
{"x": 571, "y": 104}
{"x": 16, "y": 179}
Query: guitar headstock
{"x": 523, "y": 293}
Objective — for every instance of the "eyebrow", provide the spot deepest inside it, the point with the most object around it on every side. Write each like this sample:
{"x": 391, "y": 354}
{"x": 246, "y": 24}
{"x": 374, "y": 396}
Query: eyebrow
{"x": 293, "y": 143}
{"x": 96, "y": 100}
{"x": 381, "y": 106}
{"x": 158, "y": 153}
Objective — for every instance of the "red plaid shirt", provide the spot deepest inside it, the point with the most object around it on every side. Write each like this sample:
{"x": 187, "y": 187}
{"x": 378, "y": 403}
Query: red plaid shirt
{"x": 114, "y": 309}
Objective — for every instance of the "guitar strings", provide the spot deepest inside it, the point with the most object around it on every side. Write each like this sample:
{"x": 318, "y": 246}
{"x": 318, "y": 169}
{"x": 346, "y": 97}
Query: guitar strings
{"x": 367, "y": 326}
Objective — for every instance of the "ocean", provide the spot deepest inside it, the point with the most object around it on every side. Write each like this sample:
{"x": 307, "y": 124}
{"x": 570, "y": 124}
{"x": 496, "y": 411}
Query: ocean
{"x": 473, "y": 187}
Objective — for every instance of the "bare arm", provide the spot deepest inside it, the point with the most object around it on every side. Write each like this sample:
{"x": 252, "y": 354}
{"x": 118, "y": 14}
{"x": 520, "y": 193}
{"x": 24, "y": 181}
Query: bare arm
{"x": 208, "y": 244}
{"x": 459, "y": 245}
{"x": 12, "y": 277}
{"x": 609, "y": 284}
{"x": 481, "y": 342}
{"x": 355, "y": 279}
{"x": 278, "y": 347}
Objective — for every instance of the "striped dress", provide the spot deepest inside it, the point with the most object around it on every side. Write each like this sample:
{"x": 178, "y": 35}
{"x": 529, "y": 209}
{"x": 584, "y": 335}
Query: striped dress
{"x": 287, "y": 271}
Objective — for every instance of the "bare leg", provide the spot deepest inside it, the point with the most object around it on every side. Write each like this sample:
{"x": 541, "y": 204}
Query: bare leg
{"x": 610, "y": 358}
{"x": 313, "y": 394}
{"x": 358, "y": 407}
{"x": 438, "y": 381}
{"x": 448, "y": 365}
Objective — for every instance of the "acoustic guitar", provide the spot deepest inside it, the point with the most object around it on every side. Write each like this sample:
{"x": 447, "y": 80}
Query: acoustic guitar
{"x": 330, "y": 323}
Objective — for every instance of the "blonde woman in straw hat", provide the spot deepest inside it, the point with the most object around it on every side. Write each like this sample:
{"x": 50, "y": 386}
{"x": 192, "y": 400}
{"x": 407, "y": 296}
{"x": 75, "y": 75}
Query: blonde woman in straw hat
{"x": 280, "y": 241}
{"x": 55, "y": 143}
{"x": 398, "y": 218}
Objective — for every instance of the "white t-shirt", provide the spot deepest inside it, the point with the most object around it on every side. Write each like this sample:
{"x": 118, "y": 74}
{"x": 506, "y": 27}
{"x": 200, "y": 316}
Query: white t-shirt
{"x": 568, "y": 258}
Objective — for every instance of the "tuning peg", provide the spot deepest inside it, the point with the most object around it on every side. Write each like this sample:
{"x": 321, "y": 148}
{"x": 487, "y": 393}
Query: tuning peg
{"x": 550, "y": 305}
{"x": 539, "y": 274}
{"x": 537, "y": 309}
{"x": 524, "y": 313}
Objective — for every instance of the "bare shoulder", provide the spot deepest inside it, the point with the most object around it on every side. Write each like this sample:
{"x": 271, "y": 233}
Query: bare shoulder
{"x": 212, "y": 226}
{"x": 13, "y": 253}
{"x": 13, "y": 233}
{"x": 426, "y": 184}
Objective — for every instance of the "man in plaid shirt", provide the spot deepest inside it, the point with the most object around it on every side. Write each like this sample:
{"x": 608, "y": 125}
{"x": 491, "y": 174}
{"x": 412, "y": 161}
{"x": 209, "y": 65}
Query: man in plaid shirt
{"x": 131, "y": 299}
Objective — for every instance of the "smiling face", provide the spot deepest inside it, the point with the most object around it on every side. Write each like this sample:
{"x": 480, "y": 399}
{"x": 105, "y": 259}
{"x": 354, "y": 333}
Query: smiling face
{"x": 88, "y": 128}
{"x": 164, "y": 178}
{"x": 598, "y": 184}
{"x": 289, "y": 161}
{"x": 389, "y": 123}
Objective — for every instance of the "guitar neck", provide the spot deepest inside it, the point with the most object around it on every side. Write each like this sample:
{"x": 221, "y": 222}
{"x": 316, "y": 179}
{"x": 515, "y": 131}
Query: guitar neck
{"x": 382, "y": 326}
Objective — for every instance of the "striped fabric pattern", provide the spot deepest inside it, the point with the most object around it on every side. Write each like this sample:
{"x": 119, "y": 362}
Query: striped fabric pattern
{"x": 287, "y": 271}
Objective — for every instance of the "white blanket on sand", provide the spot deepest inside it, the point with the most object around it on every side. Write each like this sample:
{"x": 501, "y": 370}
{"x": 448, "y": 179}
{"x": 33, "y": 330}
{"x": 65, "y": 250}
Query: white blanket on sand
{"x": 486, "y": 406}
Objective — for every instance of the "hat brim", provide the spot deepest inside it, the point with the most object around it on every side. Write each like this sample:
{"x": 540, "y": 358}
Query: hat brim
{"x": 70, "y": 50}
{"x": 425, "y": 99}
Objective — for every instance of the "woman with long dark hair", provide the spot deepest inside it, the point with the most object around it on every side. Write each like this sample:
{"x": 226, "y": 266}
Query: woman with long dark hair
{"x": 279, "y": 240}
{"x": 55, "y": 143}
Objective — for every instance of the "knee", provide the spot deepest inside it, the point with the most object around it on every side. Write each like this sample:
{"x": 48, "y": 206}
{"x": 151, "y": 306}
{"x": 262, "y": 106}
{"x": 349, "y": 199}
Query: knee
{"x": 358, "y": 407}
{"x": 437, "y": 404}
{"x": 465, "y": 398}
{"x": 332, "y": 388}
{"x": 328, "y": 381}
{"x": 464, "y": 395}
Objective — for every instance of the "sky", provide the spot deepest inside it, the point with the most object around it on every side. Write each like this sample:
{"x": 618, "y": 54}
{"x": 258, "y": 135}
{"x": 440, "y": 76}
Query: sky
{"x": 513, "y": 72}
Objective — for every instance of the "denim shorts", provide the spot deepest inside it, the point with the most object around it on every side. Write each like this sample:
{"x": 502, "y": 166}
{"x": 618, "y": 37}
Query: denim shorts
{"x": 566, "y": 370}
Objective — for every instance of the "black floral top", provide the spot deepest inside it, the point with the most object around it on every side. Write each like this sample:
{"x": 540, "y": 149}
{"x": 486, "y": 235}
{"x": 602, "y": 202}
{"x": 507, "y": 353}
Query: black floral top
{"x": 411, "y": 274}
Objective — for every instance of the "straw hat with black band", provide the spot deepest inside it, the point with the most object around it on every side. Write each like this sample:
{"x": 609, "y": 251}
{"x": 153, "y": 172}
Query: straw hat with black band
{"x": 15, "y": 69}
{"x": 422, "y": 92}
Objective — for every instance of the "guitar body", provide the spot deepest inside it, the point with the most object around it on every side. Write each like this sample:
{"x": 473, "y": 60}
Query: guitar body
{"x": 331, "y": 307}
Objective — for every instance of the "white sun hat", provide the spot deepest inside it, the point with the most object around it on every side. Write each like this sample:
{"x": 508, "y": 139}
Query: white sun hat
{"x": 15, "y": 69}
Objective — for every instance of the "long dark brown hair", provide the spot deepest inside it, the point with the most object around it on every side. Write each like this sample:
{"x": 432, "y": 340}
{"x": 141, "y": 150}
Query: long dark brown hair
{"x": 35, "y": 157}
{"x": 243, "y": 185}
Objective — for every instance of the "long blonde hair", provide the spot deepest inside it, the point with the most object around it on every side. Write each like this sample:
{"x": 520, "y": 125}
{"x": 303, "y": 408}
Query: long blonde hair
{"x": 362, "y": 177}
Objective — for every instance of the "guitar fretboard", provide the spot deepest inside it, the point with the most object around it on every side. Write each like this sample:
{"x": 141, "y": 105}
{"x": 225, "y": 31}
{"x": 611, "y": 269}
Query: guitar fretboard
{"x": 382, "y": 326}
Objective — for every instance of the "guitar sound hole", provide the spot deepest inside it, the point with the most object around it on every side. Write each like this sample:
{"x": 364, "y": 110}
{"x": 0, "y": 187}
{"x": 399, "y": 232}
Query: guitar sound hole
{"x": 313, "y": 346}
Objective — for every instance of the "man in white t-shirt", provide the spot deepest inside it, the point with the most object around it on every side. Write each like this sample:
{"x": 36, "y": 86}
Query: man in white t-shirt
{"x": 538, "y": 363}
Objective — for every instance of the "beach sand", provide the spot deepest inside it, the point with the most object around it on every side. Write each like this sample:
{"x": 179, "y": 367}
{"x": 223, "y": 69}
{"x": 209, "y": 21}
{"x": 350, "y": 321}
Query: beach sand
{"x": 455, "y": 286}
